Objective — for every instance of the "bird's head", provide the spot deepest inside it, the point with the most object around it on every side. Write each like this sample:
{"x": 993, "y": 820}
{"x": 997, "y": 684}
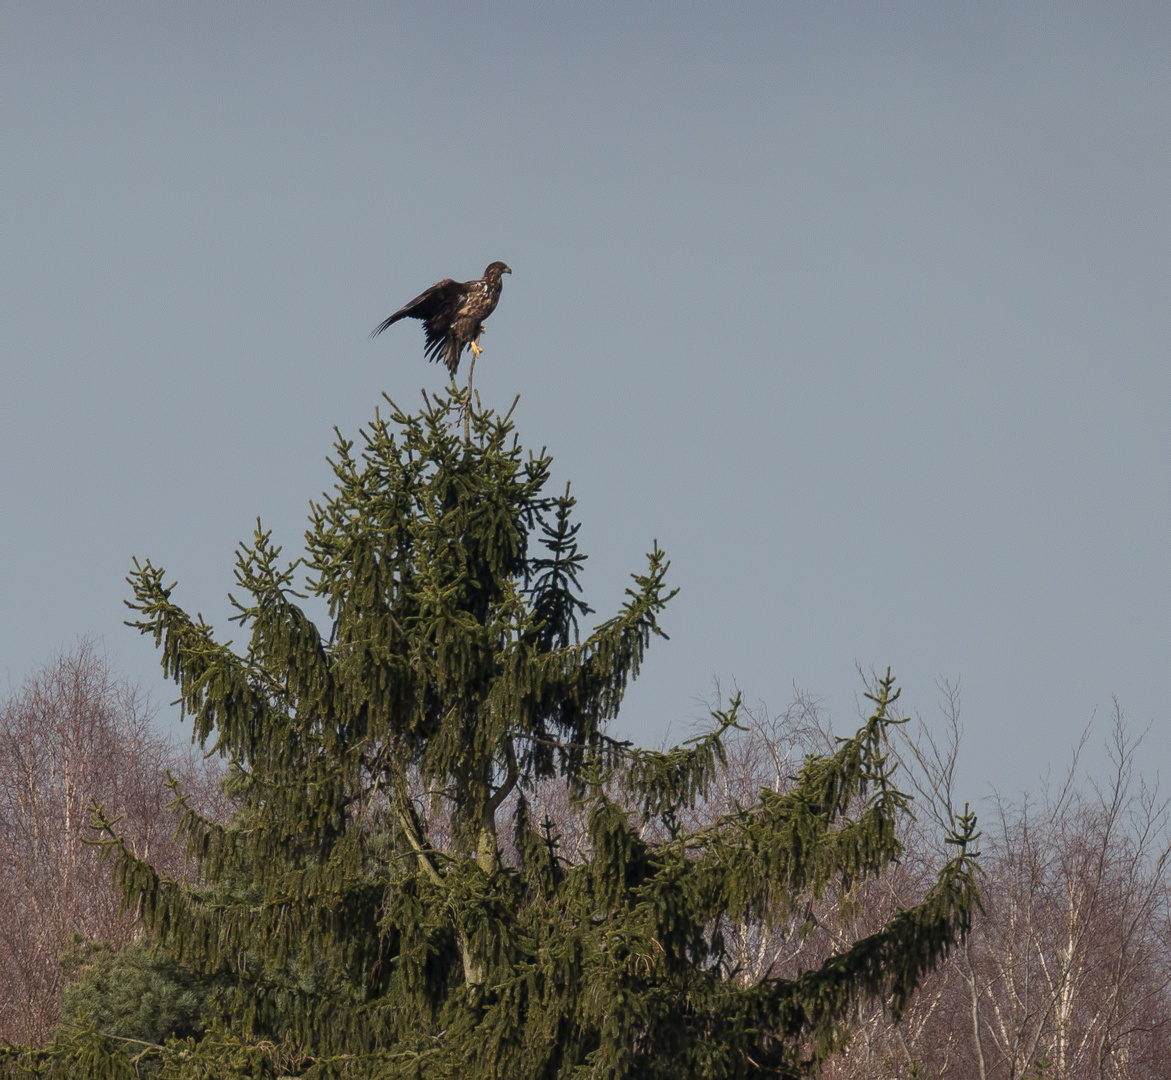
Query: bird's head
{"x": 497, "y": 268}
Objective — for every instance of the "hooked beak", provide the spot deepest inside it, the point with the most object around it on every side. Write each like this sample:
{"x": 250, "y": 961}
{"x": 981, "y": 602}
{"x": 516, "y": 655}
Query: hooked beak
{"x": 507, "y": 270}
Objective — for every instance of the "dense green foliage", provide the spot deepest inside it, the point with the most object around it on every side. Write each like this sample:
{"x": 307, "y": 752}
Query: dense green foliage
{"x": 384, "y": 905}
{"x": 133, "y": 992}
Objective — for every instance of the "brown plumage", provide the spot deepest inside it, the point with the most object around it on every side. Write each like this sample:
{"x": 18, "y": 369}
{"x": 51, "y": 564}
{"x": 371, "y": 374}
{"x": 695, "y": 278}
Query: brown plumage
{"x": 453, "y": 313}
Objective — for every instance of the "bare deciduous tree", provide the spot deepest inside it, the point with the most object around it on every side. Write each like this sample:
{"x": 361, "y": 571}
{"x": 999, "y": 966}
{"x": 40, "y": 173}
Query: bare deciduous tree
{"x": 1068, "y": 971}
{"x": 71, "y": 736}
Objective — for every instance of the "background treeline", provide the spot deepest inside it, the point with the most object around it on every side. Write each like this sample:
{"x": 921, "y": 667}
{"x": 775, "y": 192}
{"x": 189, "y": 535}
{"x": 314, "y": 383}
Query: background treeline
{"x": 1067, "y": 973}
{"x": 71, "y": 736}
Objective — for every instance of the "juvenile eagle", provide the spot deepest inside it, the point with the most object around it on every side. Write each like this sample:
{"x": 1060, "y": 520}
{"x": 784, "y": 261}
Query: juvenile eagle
{"x": 453, "y": 313}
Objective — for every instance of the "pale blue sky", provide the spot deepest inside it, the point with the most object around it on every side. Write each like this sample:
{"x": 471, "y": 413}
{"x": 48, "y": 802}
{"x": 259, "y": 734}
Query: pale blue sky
{"x": 861, "y": 310}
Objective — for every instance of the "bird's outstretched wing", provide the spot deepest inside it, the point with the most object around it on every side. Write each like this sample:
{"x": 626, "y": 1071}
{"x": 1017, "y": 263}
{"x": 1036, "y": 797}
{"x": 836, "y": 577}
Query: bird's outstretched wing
{"x": 437, "y": 307}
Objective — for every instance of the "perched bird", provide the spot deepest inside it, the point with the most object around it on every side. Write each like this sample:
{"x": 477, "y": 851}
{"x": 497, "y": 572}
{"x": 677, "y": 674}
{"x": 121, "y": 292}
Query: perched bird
{"x": 453, "y": 313}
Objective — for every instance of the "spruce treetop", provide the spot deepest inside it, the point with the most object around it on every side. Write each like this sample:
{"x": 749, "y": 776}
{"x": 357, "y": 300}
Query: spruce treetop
{"x": 384, "y": 903}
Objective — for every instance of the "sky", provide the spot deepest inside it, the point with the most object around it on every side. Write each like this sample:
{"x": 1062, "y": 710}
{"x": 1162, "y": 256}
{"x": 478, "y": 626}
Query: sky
{"x": 860, "y": 310}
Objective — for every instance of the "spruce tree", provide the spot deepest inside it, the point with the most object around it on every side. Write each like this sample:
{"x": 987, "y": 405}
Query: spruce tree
{"x": 383, "y": 903}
